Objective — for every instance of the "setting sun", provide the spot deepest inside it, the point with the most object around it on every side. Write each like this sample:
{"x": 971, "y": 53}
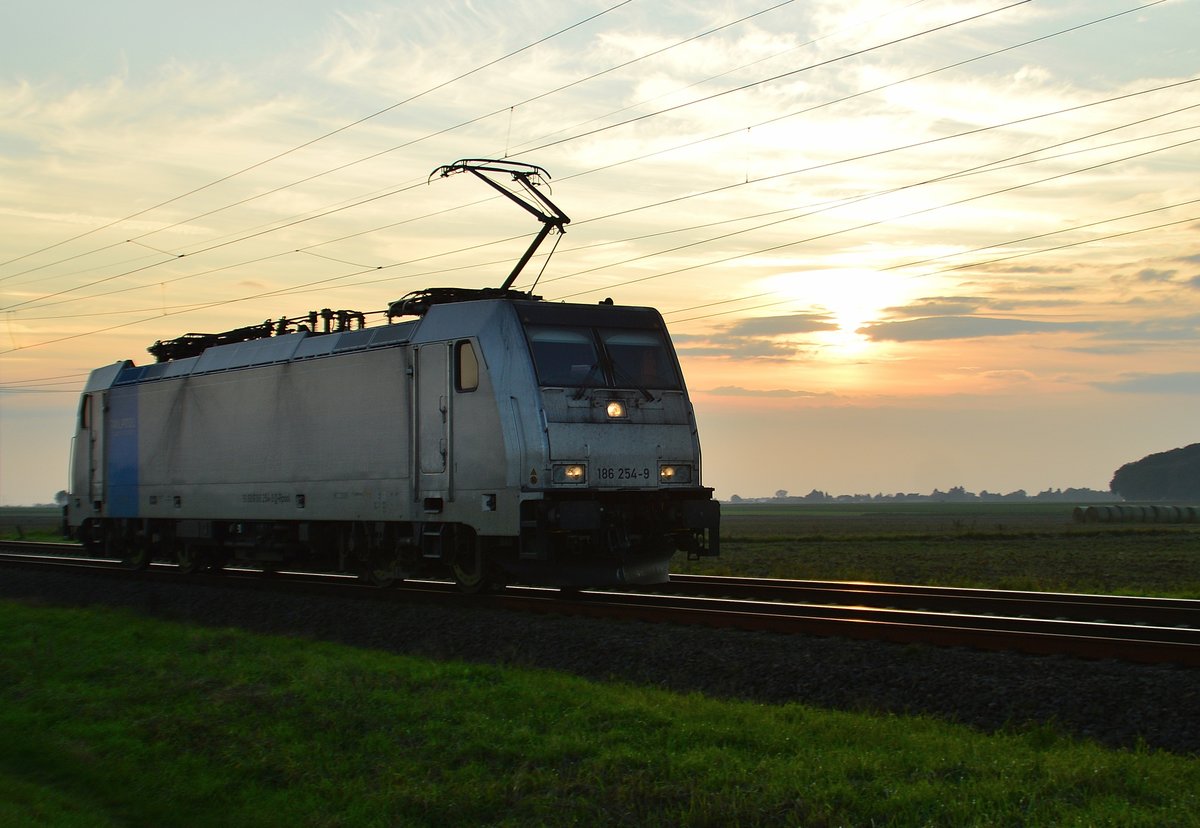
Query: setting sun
{"x": 850, "y": 298}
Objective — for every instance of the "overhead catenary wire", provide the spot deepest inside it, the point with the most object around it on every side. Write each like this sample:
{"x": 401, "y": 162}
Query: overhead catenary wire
{"x": 339, "y": 277}
{"x": 864, "y": 225}
{"x": 820, "y": 207}
{"x": 406, "y": 187}
{"x": 989, "y": 166}
{"x": 210, "y": 305}
{"x": 1001, "y": 244}
{"x": 331, "y": 133}
{"x": 386, "y": 193}
{"x": 857, "y": 199}
{"x": 374, "y": 155}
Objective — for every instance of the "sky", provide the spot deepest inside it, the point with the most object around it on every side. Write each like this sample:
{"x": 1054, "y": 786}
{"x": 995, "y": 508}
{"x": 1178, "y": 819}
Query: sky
{"x": 900, "y": 245}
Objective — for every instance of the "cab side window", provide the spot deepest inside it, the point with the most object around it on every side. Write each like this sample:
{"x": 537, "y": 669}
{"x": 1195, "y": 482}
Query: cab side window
{"x": 466, "y": 367}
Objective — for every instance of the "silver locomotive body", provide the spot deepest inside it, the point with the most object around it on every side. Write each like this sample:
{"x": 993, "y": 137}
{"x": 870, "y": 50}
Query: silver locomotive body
{"x": 495, "y": 437}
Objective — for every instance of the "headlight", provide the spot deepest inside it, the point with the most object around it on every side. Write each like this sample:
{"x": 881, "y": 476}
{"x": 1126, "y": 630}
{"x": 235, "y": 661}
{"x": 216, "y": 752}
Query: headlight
{"x": 675, "y": 473}
{"x": 570, "y": 473}
{"x": 616, "y": 410}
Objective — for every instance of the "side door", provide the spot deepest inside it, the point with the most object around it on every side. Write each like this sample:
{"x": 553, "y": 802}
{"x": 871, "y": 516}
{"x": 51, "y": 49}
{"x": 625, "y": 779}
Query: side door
{"x": 432, "y": 428}
{"x": 92, "y": 419}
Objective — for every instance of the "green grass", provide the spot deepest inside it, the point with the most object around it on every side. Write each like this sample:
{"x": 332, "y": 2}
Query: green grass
{"x": 113, "y": 719}
{"x": 34, "y": 523}
{"x": 998, "y": 546}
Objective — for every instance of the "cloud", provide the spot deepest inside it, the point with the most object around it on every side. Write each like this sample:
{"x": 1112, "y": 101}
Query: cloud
{"x": 782, "y": 325}
{"x": 1150, "y": 274}
{"x": 1194, "y": 282}
{"x": 1010, "y": 375}
{"x": 1180, "y": 382}
{"x": 738, "y": 349}
{"x": 1031, "y": 270}
{"x": 939, "y": 306}
{"x": 962, "y": 327}
{"x": 1169, "y": 329}
{"x": 738, "y": 391}
{"x": 756, "y": 338}
{"x": 966, "y": 305}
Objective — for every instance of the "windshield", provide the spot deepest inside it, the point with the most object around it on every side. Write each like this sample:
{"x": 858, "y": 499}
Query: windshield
{"x": 586, "y": 357}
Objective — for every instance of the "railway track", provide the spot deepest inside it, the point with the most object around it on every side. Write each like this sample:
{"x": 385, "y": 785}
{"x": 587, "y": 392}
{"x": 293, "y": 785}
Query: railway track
{"x": 1147, "y": 630}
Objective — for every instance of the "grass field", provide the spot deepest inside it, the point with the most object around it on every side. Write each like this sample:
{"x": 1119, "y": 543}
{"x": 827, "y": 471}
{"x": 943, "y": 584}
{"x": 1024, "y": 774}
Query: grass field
{"x": 112, "y": 719}
{"x": 1035, "y": 546}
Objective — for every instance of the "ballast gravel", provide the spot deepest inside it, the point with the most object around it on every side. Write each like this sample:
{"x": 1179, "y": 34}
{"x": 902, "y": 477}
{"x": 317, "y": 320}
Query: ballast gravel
{"x": 1115, "y": 703}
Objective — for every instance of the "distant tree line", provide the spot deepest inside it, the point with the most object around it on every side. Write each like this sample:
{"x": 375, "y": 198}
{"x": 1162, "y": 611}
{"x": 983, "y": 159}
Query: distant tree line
{"x": 956, "y": 494}
{"x": 1168, "y": 475}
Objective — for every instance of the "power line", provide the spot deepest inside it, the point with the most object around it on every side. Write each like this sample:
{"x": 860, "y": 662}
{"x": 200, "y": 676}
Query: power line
{"x": 865, "y": 225}
{"x": 363, "y": 271}
{"x": 330, "y": 134}
{"x": 381, "y": 152}
{"x": 1006, "y": 243}
{"x": 813, "y": 209}
{"x": 781, "y": 76}
{"x": 440, "y": 132}
{"x": 403, "y": 188}
{"x": 853, "y": 200}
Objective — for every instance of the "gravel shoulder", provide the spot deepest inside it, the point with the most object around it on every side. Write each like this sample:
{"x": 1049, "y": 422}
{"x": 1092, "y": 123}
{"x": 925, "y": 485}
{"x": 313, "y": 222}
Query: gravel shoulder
{"x": 1117, "y": 704}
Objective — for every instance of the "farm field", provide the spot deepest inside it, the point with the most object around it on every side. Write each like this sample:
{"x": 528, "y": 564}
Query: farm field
{"x": 40, "y": 523}
{"x": 1033, "y": 546}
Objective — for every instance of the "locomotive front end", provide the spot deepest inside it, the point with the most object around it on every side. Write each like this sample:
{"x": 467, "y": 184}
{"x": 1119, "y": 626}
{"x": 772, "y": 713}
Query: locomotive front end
{"x": 623, "y": 493}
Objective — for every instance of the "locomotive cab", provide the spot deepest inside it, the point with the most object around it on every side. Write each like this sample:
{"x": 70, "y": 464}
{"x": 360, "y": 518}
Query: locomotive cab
{"x": 623, "y": 492}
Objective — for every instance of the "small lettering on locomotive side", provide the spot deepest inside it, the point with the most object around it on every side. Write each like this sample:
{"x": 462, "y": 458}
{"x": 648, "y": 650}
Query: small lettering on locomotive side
{"x": 266, "y": 497}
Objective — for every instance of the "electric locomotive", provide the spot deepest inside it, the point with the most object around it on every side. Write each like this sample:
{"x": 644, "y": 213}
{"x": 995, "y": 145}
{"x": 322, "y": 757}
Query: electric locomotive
{"x": 483, "y": 434}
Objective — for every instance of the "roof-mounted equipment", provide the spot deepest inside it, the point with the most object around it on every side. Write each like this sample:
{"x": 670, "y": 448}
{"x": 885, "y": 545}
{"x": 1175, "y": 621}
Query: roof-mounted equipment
{"x": 528, "y": 176}
{"x": 194, "y": 344}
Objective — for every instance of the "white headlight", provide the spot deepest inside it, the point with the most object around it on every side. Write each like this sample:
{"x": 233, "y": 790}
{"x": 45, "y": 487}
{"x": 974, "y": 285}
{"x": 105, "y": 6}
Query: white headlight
{"x": 616, "y": 409}
{"x": 675, "y": 473}
{"x": 570, "y": 473}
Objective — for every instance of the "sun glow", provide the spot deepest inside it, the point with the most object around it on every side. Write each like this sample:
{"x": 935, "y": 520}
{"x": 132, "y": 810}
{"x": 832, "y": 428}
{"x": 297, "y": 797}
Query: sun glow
{"x": 850, "y": 298}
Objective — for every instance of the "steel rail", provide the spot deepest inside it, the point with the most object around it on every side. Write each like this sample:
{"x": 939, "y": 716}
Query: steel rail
{"x": 1164, "y": 612}
{"x": 1130, "y": 642}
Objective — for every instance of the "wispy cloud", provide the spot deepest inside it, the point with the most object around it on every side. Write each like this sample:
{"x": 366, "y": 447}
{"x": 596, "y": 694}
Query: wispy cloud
{"x": 1164, "y": 329}
{"x": 757, "y": 338}
{"x": 964, "y": 327}
{"x": 1150, "y": 274}
{"x": 797, "y": 323}
{"x": 786, "y": 393}
{"x": 1180, "y": 382}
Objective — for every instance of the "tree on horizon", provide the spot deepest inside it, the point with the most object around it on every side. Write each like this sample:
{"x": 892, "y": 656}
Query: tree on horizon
{"x": 1167, "y": 475}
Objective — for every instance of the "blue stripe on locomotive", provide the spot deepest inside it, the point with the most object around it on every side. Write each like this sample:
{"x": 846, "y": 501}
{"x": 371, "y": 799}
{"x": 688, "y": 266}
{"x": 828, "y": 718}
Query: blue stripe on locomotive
{"x": 122, "y": 452}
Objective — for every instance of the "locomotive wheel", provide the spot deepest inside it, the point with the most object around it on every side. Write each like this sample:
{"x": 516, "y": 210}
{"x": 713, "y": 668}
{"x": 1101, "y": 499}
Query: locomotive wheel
{"x": 137, "y": 553}
{"x": 472, "y": 572}
{"x": 189, "y": 557}
{"x": 379, "y": 570}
